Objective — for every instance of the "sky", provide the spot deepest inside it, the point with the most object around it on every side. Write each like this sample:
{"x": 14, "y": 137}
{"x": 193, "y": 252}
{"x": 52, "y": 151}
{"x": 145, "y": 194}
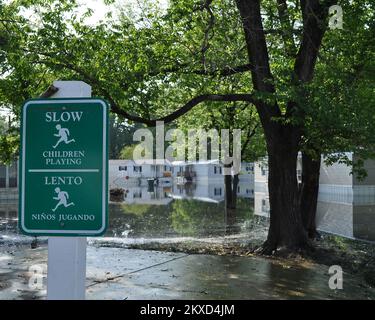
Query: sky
{"x": 100, "y": 9}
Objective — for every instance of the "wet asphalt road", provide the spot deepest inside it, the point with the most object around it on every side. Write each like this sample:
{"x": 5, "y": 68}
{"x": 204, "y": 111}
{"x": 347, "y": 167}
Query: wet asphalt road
{"x": 116, "y": 273}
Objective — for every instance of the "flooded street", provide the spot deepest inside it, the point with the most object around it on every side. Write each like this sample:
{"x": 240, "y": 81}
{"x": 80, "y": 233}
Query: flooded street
{"x": 164, "y": 214}
{"x": 180, "y": 212}
{"x": 165, "y": 218}
{"x": 115, "y": 273}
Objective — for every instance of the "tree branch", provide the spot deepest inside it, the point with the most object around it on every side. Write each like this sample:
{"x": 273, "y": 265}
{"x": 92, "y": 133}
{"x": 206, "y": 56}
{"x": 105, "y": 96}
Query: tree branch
{"x": 250, "y": 134}
{"x": 287, "y": 28}
{"x": 209, "y": 28}
{"x": 184, "y": 109}
{"x": 314, "y": 14}
{"x": 258, "y": 55}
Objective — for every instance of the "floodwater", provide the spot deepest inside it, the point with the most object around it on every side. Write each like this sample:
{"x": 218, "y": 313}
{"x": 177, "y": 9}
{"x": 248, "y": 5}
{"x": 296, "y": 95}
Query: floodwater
{"x": 175, "y": 213}
{"x": 179, "y": 217}
{"x": 114, "y": 273}
{"x": 198, "y": 211}
{"x": 165, "y": 213}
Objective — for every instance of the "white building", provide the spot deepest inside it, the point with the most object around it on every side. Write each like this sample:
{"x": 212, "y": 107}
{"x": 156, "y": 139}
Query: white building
{"x": 206, "y": 177}
{"x": 211, "y": 192}
{"x": 245, "y": 189}
{"x": 346, "y": 205}
{"x": 9, "y": 182}
{"x": 8, "y": 193}
{"x": 197, "y": 170}
{"x": 207, "y": 171}
{"x": 142, "y": 195}
{"x": 129, "y": 172}
{"x": 205, "y": 192}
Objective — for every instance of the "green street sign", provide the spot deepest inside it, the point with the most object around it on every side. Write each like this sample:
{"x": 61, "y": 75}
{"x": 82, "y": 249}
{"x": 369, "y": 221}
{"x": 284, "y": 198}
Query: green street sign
{"x": 64, "y": 167}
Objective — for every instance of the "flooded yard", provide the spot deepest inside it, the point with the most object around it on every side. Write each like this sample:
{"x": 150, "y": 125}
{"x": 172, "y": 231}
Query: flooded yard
{"x": 198, "y": 211}
{"x": 194, "y": 238}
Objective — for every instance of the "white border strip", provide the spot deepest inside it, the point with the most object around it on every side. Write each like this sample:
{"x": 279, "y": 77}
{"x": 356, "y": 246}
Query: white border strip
{"x": 57, "y": 232}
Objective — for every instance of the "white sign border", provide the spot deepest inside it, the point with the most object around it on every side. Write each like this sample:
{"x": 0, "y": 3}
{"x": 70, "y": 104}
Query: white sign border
{"x": 104, "y": 168}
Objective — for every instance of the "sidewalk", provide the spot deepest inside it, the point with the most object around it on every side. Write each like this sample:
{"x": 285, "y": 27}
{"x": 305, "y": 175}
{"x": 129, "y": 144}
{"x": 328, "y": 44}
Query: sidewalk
{"x": 115, "y": 273}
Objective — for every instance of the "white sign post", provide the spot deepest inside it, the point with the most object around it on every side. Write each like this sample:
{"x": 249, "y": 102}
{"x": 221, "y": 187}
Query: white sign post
{"x": 66, "y": 278}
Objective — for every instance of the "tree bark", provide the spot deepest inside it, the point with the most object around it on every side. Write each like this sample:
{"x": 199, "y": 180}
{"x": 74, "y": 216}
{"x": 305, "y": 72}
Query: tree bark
{"x": 228, "y": 191}
{"x": 231, "y": 184}
{"x": 309, "y": 193}
{"x": 286, "y": 226}
{"x": 234, "y": 190}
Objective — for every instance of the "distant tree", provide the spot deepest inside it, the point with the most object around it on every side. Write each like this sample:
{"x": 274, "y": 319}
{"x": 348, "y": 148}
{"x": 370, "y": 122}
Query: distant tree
{"x": 127, "y": 152}
{"x": 120, "y": 136}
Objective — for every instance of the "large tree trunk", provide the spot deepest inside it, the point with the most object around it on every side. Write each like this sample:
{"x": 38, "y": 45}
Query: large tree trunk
{"x": 286, "y": 227}
{"x": 228, "y": 191}
{"x": 309, "y": 193}
{"x": 231, "y": 184}
{"x": 234, "y": 190}
{"x": 230, "y": 204}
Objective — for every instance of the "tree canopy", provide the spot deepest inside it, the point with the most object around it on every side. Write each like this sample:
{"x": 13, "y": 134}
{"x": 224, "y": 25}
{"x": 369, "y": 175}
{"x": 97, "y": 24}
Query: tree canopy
{"x": 312, "y": 86}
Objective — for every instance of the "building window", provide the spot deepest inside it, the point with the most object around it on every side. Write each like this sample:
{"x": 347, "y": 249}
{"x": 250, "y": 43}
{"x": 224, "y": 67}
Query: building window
{"x": 249, "y": 168}
{"x": 264, "y": 171}
{"x": 137, "y": 194}
{"x": 137, "y": 169}
{"x": 122, "y": 168}
{"x": 217, "y": 191}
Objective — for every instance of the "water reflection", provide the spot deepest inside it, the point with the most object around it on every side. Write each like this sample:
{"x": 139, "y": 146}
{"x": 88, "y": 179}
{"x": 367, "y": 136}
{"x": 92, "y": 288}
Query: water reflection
{"x": 199, "y": 210}
{"x": 343, "y": 211}
{"x": 187, "y": 210}
{"x": 8, "y": 216}
{"x": 349, "y": 214}
{"x": 179, "y": 210}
